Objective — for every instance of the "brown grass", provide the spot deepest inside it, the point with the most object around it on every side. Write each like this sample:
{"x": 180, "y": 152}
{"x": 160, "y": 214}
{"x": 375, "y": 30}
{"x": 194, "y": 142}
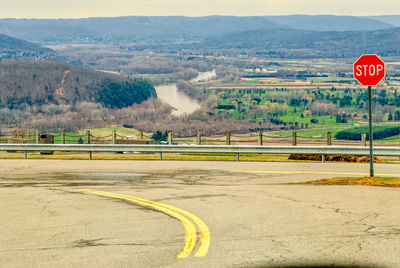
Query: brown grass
{"x": 369, "y": 181}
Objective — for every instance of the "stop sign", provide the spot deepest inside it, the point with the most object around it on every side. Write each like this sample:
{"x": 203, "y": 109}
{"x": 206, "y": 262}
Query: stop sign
{"x": 369, "y": 70}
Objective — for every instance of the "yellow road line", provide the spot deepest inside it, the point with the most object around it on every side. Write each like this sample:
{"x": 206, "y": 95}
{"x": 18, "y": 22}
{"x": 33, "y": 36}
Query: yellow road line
{"x": 180, "y": 214}
{"x": 312, "y": 172}
{"x": 205, "y": 236}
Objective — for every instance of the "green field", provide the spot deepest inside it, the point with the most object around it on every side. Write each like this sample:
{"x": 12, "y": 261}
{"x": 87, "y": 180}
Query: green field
{"x": 290, "y": 109}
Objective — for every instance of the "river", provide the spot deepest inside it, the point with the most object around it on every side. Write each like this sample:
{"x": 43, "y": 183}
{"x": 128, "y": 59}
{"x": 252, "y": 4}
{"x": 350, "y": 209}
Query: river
{"x": 182, "y": 103}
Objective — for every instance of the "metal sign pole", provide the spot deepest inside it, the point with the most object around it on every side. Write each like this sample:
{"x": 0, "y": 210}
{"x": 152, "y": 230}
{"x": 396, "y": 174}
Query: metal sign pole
{"x": 371, "y": 137}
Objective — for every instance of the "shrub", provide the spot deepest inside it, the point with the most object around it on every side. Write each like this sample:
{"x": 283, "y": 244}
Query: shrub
{"x": 380, "y": 132}
{"x": 128, "y": 125}
{"x": 159, "y": 136}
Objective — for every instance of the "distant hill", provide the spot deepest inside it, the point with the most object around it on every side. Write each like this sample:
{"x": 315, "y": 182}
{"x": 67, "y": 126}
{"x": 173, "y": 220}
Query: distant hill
{"x": 299, "y": 43}
{"x": 12, "y": 48}
{"x": 170, "y": 28}
{"x": 7, "y": 42}
{"x": 330, "y": 23}
{"x": 390, "y": 19}
{"x": 123, "y": 29}
{"x": 36, "y": 83}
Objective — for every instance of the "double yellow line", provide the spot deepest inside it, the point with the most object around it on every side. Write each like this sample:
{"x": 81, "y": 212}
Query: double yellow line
{"x": 183, "y": 216}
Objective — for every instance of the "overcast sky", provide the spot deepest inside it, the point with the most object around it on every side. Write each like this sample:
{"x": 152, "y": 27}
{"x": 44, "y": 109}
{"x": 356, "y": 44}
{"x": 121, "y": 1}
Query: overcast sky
{"x": 112, "y": 8}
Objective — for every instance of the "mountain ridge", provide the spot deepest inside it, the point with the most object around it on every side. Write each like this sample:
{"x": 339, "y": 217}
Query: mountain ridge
{"x": 170, "y": 28}
{"x": 330, "y": 23}
{"x": 312, "y": 43}
{"x": 391, "y": 19}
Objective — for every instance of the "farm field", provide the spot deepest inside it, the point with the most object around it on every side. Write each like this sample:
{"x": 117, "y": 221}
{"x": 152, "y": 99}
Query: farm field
{"x": 324, "y": 101}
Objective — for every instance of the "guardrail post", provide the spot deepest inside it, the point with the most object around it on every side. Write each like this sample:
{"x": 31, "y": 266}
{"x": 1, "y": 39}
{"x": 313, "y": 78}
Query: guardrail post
{"x": 88, "y": 142}
{"x": 141, "y": 134}
{"x": 364, "y": 139}
{"x": 199, "y": 137}
{"x": 294, "y": 138}
{"x": 114, "y": 136}
{"x": 237, "y": 157}
{"x": 170, "y": 137}
{"x": 63, "y": 137}
{"x": 260, "y": 138}
{"x": 37, "y": 136}
{"x": 323, "y": 158}
{"x": 26, "y": 155}
{"x": 329, "y": 138}
{"x": 228, "y": 137}
{"x": 160, "y": 156}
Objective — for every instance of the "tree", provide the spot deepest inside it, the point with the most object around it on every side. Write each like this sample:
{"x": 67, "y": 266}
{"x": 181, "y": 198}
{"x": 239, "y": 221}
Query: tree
{"x": 159, "y": 136}
{"x": 307, "y": 113}
{"x": 345, "y": 101}
{"x": 390, "y": 117}
{"x": 397, "y": 116}
{"x": 123, "y": 94}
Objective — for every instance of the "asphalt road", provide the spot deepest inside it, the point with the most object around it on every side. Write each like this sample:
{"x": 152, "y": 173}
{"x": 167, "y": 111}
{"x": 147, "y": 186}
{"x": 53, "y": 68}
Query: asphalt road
{"x": 60, "y": 213}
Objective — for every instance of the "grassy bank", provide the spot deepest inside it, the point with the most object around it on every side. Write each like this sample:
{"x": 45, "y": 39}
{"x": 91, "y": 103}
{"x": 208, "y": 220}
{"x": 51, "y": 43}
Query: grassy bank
{"x": 369, "y": 181}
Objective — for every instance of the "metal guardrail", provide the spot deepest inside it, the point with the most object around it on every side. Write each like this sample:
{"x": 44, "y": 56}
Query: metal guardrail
{"x": 235, "y": 149}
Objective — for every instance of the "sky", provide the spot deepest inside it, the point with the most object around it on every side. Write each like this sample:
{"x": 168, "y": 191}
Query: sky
{"x": 113, "y": 8}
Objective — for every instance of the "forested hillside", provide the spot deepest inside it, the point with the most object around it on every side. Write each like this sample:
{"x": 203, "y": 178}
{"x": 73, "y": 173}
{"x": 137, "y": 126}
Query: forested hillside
{"x": 53, "y": 96}
{"x": 27, "y": 83}
{"x": 298, "y": 43}
{"x": 12, "y": 48}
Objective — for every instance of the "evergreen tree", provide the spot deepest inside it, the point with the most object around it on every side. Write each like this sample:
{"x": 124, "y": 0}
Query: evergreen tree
{"x": 159, "y": 136}
{"x": 397, "y": 116}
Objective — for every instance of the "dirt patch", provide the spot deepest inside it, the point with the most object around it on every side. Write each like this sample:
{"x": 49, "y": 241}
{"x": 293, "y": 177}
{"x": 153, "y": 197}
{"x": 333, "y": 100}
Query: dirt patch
{"x": 60, "y": 88}
{"x": 369, "y": 181}
{"x": 333, "y": 158}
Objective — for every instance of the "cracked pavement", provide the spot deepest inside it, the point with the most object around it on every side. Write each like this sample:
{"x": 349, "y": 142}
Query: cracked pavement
{"x": 255, "y": 219}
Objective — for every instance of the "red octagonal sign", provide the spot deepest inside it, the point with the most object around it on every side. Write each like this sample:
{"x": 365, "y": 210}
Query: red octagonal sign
{"x": 369, "y": 70}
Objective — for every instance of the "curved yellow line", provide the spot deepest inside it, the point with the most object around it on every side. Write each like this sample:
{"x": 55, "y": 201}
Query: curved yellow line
{"x": 190, "y": 229}
{"x": 205, "y": 236}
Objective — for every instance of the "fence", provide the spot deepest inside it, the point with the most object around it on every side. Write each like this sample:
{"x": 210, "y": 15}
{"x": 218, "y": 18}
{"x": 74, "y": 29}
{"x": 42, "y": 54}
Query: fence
{"x": 294, "y": 138}
{"x": 259, "y": 138}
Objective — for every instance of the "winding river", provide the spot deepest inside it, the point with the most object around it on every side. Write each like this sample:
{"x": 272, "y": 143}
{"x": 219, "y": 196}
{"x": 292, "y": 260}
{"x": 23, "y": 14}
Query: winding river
{"x": 182, "y": 103}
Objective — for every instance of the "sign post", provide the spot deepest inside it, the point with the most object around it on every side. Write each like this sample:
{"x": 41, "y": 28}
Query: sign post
{"x": 371, "y": 134}
{"x": 369, "y": 70}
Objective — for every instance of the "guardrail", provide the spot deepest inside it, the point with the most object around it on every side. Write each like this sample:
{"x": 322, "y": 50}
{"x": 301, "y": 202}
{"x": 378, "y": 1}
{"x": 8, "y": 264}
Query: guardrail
{"x": 235, "y": 149}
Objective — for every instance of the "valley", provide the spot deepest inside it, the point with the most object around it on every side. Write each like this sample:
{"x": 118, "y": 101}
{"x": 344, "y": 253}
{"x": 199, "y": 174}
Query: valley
{"x": 287, "y": 83}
